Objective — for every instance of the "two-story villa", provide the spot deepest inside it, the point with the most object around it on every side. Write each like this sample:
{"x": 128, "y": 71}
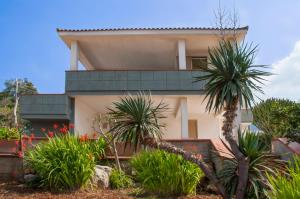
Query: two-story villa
{"x": 121, "y": 61}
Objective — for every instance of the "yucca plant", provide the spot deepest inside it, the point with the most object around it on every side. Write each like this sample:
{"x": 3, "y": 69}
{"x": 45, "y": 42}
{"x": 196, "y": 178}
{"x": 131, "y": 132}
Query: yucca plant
{"x": 166, "y": 174}
{"x": 64, "y": 162}
{"x": 231, "y": 79}
{"x": 261, "y": 163}
{"x": 137, "y": 120}
{"x": 285, "y": 185}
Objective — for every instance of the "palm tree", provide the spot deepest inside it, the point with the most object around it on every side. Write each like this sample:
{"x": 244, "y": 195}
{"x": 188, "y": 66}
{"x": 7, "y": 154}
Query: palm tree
{"x": 137, "y": 120}
{"x": 231, "y": 79}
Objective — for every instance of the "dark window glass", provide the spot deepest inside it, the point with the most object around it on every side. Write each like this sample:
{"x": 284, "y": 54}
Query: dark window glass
{"x": 199, "y": 63}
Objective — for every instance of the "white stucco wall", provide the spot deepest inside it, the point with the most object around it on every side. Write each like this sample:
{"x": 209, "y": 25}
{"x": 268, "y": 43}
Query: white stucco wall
{"x": 84, "y": 116}
{"x": 209, "y": 125}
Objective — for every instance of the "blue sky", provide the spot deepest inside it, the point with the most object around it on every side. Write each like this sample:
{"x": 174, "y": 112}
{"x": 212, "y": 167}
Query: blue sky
{"x": 30, "y": 46}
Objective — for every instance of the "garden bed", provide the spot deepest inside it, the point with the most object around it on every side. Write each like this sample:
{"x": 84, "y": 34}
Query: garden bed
{"x": 15, "y": 191}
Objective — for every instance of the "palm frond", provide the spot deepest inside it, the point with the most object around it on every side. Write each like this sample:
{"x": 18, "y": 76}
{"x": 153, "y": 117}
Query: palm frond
{"x": 137, "y": 118}
{"x": 231, "y": 74}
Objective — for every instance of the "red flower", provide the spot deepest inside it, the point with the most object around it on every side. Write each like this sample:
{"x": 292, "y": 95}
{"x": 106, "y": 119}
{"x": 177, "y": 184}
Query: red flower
{"x": 20, "y": 154}
{"x": 43, "y": 129}
{"x": 55, "y": 126}
{"x": 94, "y": 135}
{"x": 17, "y": 143}
{"x": 71, "y": 126}
{"x": 32, "y": 135}
{"x": 64, "y": 130}
{"x": 29, "y": 140}
{"x": 50, "y": 134}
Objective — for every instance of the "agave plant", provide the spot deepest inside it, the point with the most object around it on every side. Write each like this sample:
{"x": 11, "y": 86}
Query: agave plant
{"x": 137, "y": 121}
{"x": 231, "y": 79}
{"x": 261, "y": 163}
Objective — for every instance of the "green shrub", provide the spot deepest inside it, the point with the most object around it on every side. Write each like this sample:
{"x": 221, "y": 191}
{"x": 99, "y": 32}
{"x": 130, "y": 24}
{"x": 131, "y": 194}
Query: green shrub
{"x": 277, "y": 117}
{"x": 97, "y": 147}
{"x": 166, "y": 174}
{"x": 118, "y": 180}
{"x": 65, "y": 162}
{"x": 261, "y": 162}
{"x": 286, "y": 186}
{"x": 9, "y": 133}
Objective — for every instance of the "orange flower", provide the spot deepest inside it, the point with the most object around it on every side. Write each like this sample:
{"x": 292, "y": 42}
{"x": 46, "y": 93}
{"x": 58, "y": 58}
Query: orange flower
{"x": 83, "y": 138}
{"x": 32, "y": 135}
{"x": 43, "y": 129}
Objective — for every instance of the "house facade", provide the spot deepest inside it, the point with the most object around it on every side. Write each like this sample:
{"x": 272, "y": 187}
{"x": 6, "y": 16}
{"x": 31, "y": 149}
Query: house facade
{"x": 106, "y": 64}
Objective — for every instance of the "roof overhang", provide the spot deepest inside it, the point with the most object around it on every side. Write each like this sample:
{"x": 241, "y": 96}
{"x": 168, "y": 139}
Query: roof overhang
{"x": 142, "y": 48}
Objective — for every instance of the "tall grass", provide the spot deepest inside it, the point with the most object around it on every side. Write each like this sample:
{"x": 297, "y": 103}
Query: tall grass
{"x": 286, "y": 186}
{"x": 166, "y": 174}
{"x": 64, "y": 162}
{"x": 118, "y": 179}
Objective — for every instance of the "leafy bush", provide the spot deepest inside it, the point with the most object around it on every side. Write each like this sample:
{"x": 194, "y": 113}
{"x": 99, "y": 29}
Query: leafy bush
{"x": 261, "y": 162}
{"x": 9, "y": 133}
{"x": 277, "y": 117}
{"x": 65, "y": 162}
{"x": 286, "y": 186}
{"x": 166, "y": 174}
{"x": 97, "y": 147}
{"x": 118, "y": 179}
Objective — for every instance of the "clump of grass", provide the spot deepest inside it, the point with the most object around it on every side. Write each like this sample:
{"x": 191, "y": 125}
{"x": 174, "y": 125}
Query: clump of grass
{"x": 119, "y": 180}
{"x": 166, "y": 174}
{"x": 63, "y": 163}
{"x": 286, "y": 186}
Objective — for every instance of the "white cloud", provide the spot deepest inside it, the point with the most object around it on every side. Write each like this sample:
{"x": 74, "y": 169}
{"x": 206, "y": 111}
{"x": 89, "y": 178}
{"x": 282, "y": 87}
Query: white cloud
{"x": 286, "y": 81}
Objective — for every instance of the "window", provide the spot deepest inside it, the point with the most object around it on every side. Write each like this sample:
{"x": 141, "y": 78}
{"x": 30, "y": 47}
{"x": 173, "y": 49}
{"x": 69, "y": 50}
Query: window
{"x": 199, "y": 63}
{"x": 193, "y": 129}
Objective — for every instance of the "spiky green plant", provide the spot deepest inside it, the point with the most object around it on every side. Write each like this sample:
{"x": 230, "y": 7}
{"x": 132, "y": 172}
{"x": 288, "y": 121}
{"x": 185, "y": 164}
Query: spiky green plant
{"x": 137, "y": 118}
{"x": 261, "y": 162}
{"x": 286, "y": 186}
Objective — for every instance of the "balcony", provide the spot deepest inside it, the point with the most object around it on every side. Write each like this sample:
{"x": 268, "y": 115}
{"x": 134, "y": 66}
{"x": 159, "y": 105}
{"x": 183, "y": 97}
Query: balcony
{"x": 118, "y": 82}
{"x": 45, "y": 106}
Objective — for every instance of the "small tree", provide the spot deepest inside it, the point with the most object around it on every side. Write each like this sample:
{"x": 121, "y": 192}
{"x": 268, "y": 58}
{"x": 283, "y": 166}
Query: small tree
{"x": 231, "y": 80}
{"x": 98, "y": 126}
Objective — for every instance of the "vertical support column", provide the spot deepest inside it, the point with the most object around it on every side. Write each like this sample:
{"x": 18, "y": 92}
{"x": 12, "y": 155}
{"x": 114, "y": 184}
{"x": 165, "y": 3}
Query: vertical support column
{"x": 184, "y": 118}
{"x": 181, "y": 55}
{"x": 74, "y": 55}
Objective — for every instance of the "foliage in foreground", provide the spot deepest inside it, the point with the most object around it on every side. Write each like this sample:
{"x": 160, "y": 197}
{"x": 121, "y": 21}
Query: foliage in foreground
{"x": 261, "y": 163}
{"x": 277, "y": 117}
{"x": 166, "y": 174}
{"x": 118, "y": 179}
{"x": 286, "y": 186}
{"x": 65, "y": 162}
{"x": 9, "y": 133}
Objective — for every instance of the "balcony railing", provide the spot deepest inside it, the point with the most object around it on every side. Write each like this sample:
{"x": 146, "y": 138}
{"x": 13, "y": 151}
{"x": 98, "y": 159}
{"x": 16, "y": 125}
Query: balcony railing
{"x": 80, "y": 82}
{"x": 45, "y": 106}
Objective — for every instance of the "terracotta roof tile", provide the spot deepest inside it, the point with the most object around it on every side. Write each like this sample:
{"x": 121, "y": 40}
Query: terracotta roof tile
{"x": 167, "y": 28}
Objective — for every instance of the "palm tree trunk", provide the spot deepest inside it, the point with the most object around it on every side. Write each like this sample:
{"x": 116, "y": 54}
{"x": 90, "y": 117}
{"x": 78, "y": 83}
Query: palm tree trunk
{"x": 243, "y": 162}
{"x": 189, "y": 157}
